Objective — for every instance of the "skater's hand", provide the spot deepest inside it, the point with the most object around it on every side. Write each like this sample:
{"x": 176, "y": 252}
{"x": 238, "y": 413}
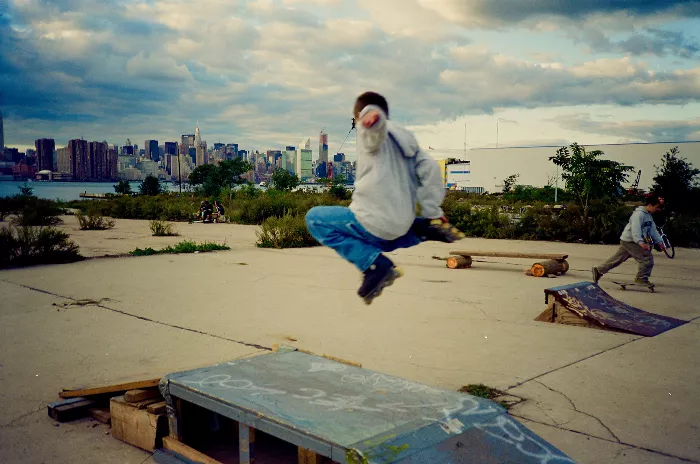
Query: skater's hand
{"x": 645, "y": 246}
{"x": 370, "y": 119}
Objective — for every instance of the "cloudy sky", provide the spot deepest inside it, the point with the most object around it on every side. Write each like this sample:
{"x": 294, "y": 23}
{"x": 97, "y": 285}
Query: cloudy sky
{"x": 267, "y": 73}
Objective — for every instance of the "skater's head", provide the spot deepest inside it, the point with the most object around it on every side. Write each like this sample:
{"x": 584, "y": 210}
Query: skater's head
{"x": 654, "y": 203}
{"x": 370, "y": 98}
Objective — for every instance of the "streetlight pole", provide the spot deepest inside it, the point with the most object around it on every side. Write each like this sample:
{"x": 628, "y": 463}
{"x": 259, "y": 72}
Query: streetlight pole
{"x": 556, "y": 185}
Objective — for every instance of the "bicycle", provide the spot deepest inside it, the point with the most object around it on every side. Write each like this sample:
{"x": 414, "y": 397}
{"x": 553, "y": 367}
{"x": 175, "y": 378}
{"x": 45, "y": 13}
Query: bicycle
{"x": 669, "y": 250}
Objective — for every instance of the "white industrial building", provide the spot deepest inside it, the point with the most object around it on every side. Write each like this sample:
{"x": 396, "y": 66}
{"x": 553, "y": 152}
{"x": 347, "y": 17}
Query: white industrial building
{"x": 488, "y": 167}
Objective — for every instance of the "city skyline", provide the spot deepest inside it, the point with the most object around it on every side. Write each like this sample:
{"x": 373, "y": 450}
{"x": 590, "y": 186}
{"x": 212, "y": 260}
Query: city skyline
{"x": 548, "y": 73}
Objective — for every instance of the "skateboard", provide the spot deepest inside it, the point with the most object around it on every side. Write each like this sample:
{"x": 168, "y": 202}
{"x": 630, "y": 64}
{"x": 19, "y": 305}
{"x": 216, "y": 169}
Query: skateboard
{"x": 624, "y": 285}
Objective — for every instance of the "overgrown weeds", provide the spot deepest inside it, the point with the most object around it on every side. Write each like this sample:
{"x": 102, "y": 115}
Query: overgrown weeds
{"x": 285, "y": 232}
{"x": 26, "y": 245}
{"x": 182, "y": 247}
{"x": 93, "y": 221}
{"x": 162, "y": 229}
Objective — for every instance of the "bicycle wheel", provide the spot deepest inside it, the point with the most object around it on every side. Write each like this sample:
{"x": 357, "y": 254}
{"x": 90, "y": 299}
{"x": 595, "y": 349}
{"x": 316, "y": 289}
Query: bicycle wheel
{"x": 668, "y": 248}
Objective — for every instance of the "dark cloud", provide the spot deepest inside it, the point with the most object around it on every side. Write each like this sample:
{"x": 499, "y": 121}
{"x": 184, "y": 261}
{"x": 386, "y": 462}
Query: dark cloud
{"x": 516, "y": 11}
{"x": 270, "y": 78}
{"x": 672, "y": 131}
{"x": 650, "y": 41}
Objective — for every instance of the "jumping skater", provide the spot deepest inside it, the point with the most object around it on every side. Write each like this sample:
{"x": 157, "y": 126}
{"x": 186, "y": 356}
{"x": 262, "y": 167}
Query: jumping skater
{"x": 393, "y": 174}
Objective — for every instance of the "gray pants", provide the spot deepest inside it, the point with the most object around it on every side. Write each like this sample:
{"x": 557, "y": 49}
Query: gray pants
{"x": 627, "y": 250}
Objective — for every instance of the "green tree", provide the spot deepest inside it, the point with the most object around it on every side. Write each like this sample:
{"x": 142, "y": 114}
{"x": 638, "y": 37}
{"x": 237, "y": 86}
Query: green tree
{"x": 283, "y": 180}
{"x": 213, "y": 177}
{"x": 588, "y": 177}
{"x": 337, "y": 186}
{"x": 123, "y": 186}
{"x": 151, "y": 186}
{"x": 675, "y": 179}
{"x": 200, "y": 174}
{"x": 509, "y": 182}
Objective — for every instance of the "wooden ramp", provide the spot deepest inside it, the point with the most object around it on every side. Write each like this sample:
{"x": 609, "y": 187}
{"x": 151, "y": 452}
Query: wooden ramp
{"x": 336, "y": 412}
{"x": 586, "y": 304}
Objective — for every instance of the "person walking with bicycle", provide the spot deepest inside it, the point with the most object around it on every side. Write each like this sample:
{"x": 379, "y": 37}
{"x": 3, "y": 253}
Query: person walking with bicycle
{"x": 637, "y": 241}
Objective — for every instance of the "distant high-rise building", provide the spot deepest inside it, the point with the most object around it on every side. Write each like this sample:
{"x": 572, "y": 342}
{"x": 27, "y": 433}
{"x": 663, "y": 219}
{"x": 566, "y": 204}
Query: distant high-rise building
{"x": 2, "y": 134}
{"x": 339, "y": 157}
{"x": 323, "y": 148}
{"x": 44, "y": 154}
{"x": 202, "y": 157}
{"x": 63, "y": 160}
{"x": 305, "y": 161}
{"x": 78, "y": 159}
{"x": 170, "y": 148}
{"x": 219, "y": 146}
{"x": 289, "y": 160}
{"x": 151, "y": 150}
{"x": 98, "y": 167}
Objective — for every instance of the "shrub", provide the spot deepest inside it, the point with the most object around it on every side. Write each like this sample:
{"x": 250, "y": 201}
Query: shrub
{"x": 93, "y": 221}
{"x": 36, "y": 212}
{"x": 24, "y": 246}
{"x": 162, "y": 229}
{"x": 285, "y": 232}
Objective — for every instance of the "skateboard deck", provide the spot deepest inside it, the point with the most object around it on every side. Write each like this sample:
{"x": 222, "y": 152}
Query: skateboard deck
{"x": 624, "y": 285}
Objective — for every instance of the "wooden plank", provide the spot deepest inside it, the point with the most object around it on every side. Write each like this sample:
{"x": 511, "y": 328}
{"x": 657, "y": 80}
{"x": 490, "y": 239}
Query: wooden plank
{"x": 136, "y": 426}
{"x": 187, "y": 452}
{"x": 133, "y": 396}
{"x": 504, "y": 254}
{"x": 146, "y": 403}
{"x": 305, "y": 456}
{"x": 71, "y": 409}
{"x": 101, "y": 414}
{"x": 157, "y": 408}
{"x": 105, "y": 389}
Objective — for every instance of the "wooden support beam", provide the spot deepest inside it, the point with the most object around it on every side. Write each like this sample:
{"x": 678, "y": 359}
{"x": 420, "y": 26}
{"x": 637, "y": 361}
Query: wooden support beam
{"x": 187, "y": 452}
{"x": 132, "y": 396}
{"x": 71, "y": 409}
{"x": 246, "y": 442}
{"x": 157, "y": 408}
{"x": 305, "y": 456}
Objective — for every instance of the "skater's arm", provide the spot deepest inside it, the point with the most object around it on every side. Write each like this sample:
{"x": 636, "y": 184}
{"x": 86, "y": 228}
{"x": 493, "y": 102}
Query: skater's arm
{"x": 372, "y": 130}
{"x": 655, "y": 234}
{"x": 431, "y": 192}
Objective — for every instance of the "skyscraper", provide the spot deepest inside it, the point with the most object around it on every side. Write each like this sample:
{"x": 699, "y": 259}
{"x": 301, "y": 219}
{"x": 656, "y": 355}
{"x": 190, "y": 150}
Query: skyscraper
{"x": 44, "y": 154}
{"x": 201, "y": 147}
{"x": 152, "y": 152}
{"x": 304, "y": 161}
{"x": 322, "y": 148}
{"x": 78, "y": 150}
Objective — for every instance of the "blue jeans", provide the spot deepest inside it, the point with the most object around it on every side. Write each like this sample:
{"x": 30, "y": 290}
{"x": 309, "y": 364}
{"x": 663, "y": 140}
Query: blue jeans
{"x": 336, "y": 227}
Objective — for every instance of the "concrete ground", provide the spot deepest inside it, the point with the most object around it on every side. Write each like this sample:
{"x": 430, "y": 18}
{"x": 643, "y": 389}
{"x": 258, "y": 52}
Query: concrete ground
{"x": 601, "y": 397}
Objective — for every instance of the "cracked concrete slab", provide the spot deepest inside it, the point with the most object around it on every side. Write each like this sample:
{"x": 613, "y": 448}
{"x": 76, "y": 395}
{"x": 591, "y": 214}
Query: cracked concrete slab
{"x": 591, "y": 450}
{"x": 45, "y": 346}
{"x": 438, "y": 326}
{"x": 644, "y": 393}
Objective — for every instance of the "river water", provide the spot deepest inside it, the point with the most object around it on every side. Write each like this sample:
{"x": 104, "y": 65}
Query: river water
{"x": 67, "y": 191}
